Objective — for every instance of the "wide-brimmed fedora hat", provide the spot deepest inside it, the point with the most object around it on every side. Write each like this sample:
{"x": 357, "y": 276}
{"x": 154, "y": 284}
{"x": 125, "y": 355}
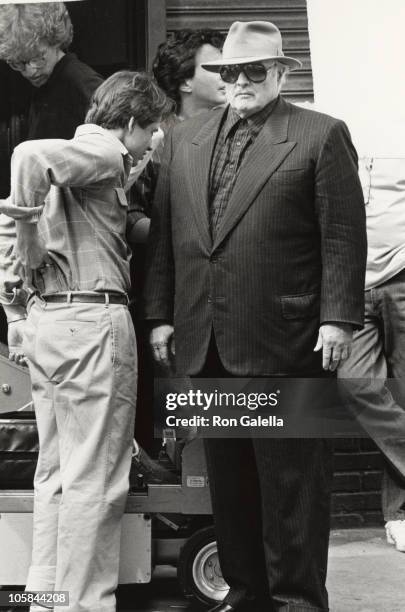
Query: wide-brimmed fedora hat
{"x": 252, "y": 41}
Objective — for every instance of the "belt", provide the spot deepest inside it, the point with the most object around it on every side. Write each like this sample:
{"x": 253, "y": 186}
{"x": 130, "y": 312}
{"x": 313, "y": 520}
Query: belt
{"x": 89, "y": 298}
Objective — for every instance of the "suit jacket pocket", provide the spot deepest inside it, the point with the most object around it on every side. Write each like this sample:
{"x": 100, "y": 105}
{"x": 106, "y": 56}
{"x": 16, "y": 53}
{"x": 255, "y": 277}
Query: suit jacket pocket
{"x": 300, "y": 306}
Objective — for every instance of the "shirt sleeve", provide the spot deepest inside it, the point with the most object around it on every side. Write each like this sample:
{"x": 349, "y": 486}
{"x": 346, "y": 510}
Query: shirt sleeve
{"x": 12, "y": 295}
{"x": 36, "y": 165}
{"x": 142, "y": 190}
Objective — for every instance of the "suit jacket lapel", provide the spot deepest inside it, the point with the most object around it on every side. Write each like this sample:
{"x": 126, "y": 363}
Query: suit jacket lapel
{"x": 199, "y": 162}
{"x": 268, "y": 151}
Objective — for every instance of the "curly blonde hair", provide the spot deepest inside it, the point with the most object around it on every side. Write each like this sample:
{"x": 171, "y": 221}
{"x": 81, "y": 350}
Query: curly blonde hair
{"x": 24, "y": 27}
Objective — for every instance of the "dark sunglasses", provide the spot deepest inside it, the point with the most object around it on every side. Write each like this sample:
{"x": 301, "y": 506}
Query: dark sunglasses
{"x": 256, "y": 72}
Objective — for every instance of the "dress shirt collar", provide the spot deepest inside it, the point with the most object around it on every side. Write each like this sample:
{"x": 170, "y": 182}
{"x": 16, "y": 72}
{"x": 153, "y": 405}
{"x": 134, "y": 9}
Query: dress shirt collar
{"x": 92, "y": 128}
{"x": 254, "y": 122}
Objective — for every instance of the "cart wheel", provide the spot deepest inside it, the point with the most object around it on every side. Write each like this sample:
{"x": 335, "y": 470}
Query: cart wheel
{"x": 198, "y": 568}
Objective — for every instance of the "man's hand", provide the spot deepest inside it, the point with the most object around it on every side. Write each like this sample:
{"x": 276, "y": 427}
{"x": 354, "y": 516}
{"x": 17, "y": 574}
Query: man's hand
{"x": 162, "y": 343}
{"x": 140, "y": 231}
{"x": 14, "y": 278}
{"x": 15, "y": 340}
{"x": 335, "y": 341}
{"x": 29, "y": 248}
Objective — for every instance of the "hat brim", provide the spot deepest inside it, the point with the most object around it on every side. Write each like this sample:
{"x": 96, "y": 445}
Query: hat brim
{"x": 216, "y": 66}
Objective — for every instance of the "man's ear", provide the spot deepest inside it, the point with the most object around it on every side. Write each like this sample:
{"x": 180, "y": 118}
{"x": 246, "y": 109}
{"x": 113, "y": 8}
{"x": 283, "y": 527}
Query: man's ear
{"x": 131, "y": 124}
{"x": 186, "y": 86}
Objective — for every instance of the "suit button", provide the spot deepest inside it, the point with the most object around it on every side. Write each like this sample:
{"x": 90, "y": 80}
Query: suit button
{"x": 209, "y": 300}
{"x": 214, "y": 259}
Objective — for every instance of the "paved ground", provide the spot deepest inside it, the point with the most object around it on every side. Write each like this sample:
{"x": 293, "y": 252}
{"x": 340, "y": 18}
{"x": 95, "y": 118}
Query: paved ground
{"x": 365, "y": 575}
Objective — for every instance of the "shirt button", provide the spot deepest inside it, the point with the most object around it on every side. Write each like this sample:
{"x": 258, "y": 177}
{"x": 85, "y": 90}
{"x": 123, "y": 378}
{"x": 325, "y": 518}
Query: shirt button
{"x": 238, "y": 143}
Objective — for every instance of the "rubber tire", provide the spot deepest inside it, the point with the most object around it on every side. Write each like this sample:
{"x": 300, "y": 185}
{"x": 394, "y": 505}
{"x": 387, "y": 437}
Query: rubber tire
{"x": 197, "y": 555}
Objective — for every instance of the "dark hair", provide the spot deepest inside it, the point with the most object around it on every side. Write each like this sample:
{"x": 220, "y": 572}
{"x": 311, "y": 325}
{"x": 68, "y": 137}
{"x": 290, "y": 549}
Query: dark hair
{"x": 175, "y": 59}
{"x": 124, "y": 95}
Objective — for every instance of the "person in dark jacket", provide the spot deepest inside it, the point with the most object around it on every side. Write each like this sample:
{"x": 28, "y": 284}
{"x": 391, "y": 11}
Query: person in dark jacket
{"x": 257, "y": 255}
{"x": 34, "y": 39}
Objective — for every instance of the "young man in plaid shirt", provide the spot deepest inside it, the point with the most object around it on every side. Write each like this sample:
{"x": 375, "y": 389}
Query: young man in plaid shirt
{"x": 68, "y": 199}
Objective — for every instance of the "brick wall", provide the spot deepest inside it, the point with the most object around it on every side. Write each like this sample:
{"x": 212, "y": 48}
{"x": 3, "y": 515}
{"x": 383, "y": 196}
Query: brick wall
{"x": 356, "y": 498}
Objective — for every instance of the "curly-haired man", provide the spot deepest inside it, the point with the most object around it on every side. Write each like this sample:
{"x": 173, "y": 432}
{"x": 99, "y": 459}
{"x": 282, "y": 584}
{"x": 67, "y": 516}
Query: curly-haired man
{"x": 34, "y": 39}
{"x": 177, "y": 69}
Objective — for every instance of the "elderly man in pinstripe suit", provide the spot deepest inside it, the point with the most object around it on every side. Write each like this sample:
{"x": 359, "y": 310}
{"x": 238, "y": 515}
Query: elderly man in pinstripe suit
{"x": 257, "y": 256}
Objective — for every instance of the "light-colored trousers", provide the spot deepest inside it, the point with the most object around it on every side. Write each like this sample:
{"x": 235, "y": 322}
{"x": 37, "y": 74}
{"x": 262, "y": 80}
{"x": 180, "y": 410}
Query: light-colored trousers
{"x": 82, "y": 361}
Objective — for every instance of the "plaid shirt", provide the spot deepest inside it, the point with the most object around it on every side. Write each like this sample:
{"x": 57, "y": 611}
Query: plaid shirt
{"x": 11, "y": 292}
{"x": 74, "y": 189}
{"x": 142, "y": 191}
{"x": 235, "y": 138}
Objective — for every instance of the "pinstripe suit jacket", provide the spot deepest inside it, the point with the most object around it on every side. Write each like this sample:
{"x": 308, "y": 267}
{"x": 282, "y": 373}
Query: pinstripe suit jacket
{"x": 290, "y": 252}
